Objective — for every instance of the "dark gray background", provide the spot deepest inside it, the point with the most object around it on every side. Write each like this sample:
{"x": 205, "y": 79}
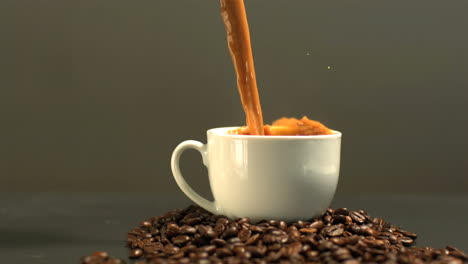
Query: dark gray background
{"x": 94, "y": 95}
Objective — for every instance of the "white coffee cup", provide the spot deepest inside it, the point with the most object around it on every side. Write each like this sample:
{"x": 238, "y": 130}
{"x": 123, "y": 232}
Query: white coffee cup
{"x": 286, "y": 178}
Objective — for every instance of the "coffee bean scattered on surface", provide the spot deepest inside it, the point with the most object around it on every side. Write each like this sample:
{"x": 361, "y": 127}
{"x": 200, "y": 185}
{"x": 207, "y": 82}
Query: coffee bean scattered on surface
{"x": 194, "y": 235}
{"x": 100, "y": 257}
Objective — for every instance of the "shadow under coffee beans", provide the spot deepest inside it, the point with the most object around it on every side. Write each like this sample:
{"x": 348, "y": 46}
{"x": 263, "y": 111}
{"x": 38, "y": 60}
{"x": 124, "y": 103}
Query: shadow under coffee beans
{"x": 194, "y": 235}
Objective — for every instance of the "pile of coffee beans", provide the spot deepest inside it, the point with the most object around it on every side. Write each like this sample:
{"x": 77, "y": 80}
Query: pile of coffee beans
{"x": 194, "y": 235}
{"x": 100, "y": 257}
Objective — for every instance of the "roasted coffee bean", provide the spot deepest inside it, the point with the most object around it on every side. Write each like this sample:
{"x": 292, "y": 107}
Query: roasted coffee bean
{"x": 317, "y": 225}
{"x": 244, "y": 234}
{"x": 406, "y": 241}
{"x": 256, "y": 228}
{"x": 193, "y": 221}
{"x": 275, "y": 238}
{"x": 282, "y": 225}
{"x": 154, "y": 247}
{"x": 341, "y": 241}
{"x": 101, "y": 254}
{"x": 308, "y": 230}
{"x": 209, "y": 249}
{"x": 145, "y": 224}
{"x": 256, "y": 251}
{"x": 294, "y": 248}
{"x": 311, "y": 255}
{"x": 334, "y": 230}
{"x": 187, "y": 230}
{"x": 201, "y": 255}
{"x": 341, "y": 211}
{"x": 300, "y": 224}
{"x": 172, "y": 229}
{"x": 455, "y": 252}
{"x": 136, "y": 253}
{"x": 342, "y": 254}
{"x": 358, "y": 217}
{"x": 408, "y": 233}
{"x": 253, "y": 239}
{"x": 243, "y": 221}
{"x": 234, "y": 240}
{"x": 206, "y": 231}
{"x": 230, "y": 231}
{"x": 338, "y": 236}
{"x": 223, "y": 252}
{"x": 309, "y": 240}
{"x": 180, "y": 240}
{"x": 219, "y": 228}
{"x": 327, "y": 219}
{"x": 294, "y": 235}
{"x": 170, "y": 249}
{"x": 218, "y": 242}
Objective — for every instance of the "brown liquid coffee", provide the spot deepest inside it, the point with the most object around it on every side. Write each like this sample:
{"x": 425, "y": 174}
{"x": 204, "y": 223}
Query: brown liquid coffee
{"x": 238, "y": 37}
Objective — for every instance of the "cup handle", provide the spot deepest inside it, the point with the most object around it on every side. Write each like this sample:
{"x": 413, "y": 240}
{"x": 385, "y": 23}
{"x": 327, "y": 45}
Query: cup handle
{"x": 183, "y": 185}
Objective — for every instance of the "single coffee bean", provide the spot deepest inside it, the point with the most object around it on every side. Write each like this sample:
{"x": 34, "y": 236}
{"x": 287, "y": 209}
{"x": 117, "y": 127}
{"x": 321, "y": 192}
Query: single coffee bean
{"x": 223, "y": 252}
{"x": 136, "y": 253}
{"x": 308, "y": 230}
{"x": 206, "y": 231}
{"x": 201, "y": 255}
{"x": 294, "y": 235}
{"x": 253, "y": 239}
{"x": 170, "y": 249}
{"x": 219, "y": 228}
{"x": 101, "y": 254}
{"x": 294, "y": 248}
{"x": 274, "y": 247}
{"x": 210, "y": 249}
{"x": 311, "y": 240}
{"x": 334, "y": 230}
{"x": 406, "y": 241}
{"x": 180, "y": 240}
{"x": 187, "y": 230}
{"x": 218, "y": 242}
{"x": 312, "y": 255}
{"x": 282, "y": 225}
{"x": 222, "y": 221}
{"x": 317, "y": 225}
{"x": 243, "y": 221}
{"x": 146, "y": 224}
{"x": 234, "y": 240}
{"x": 342, "y": 254}
{"x": 357, "y": 217}
{"x": 256, "y": 251}
{"x": 408, "y": 234}
{"x": 341, "y": 211}
{"x": 172, "y": 229}
{"x": 230, "y": 231}
{"x": 327, "y": 219}
{"x": 193, "y": 221}
{"x": 341, "y": 241}
{"x": 244, "y": 255}
{"x": 244, "y": 234}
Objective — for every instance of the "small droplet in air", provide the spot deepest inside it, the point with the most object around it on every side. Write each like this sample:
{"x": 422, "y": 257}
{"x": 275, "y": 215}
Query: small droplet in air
{"x": 329, "y": 67}
{"x": 307, "y": 53}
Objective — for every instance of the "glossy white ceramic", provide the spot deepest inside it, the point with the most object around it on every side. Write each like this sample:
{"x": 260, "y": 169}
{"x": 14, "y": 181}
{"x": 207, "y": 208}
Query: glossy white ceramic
{"x": 265, "y": 177}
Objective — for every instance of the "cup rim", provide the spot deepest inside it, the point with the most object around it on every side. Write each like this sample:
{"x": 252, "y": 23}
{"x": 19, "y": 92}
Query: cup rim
{"x": 221, "y": 131}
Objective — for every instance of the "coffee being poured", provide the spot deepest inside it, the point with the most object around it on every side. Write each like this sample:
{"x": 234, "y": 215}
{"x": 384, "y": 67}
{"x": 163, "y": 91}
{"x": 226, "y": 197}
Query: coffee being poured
{"x": 238, "y": 38}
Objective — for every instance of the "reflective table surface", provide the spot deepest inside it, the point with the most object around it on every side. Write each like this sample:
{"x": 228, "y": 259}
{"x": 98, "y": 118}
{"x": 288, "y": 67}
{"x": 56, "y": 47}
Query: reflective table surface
{"x": 60, "y": 228}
